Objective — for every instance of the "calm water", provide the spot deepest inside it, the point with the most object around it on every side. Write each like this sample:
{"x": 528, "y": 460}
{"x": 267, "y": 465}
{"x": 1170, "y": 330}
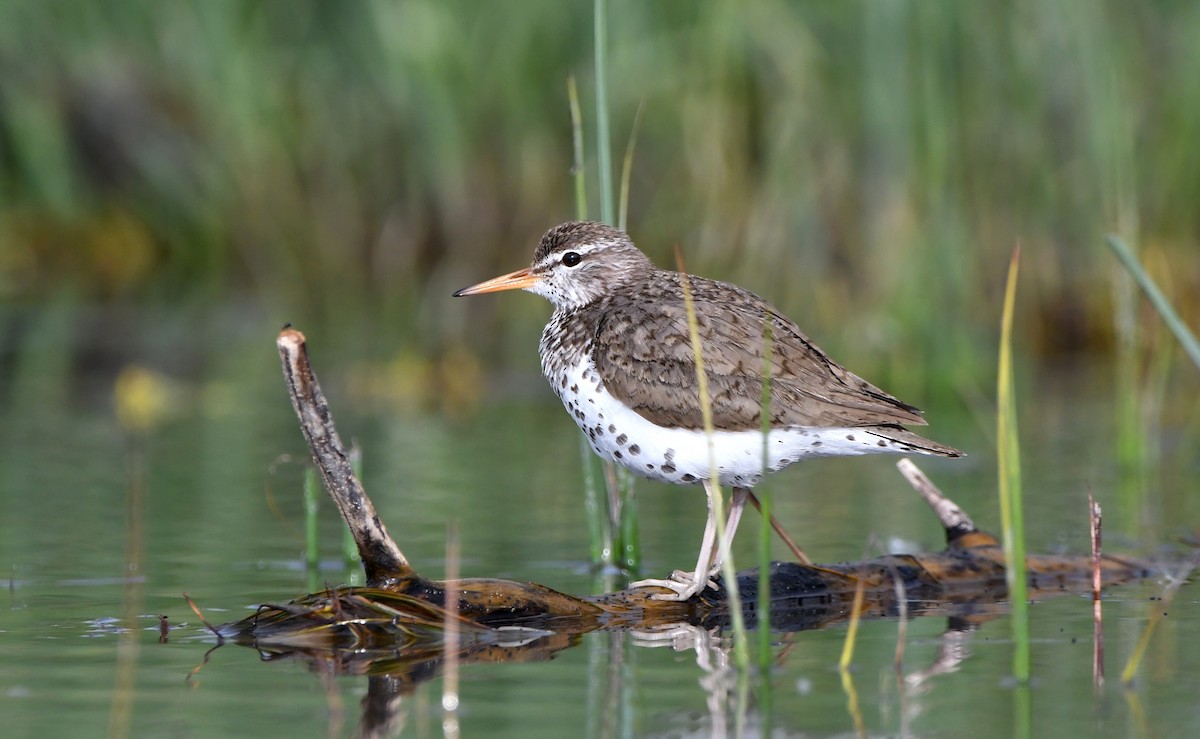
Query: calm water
{"x": 221, "y": 522}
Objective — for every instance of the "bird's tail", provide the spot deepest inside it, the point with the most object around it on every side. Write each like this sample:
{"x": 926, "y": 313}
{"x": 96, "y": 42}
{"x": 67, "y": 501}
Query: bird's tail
{"x": 906, "y": 440}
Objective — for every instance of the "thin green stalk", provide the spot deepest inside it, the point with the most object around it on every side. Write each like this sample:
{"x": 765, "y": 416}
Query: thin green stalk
{"x": 852, "y": 630}
{"x": 742, "y": 707}
{"x": 354, "y": 570}
{"x": 121, "y": 711}
{"x": 630, "y": 555}
{"x": 596, "y": 519}
{"x": 852, "y": 706}
{"x": 601, "y": 549}
{"x": 1023, "y": 711}
{"x": 764, "y": 527}
{"x": 312, "y": 497}
{"x": 1131, "y": 432}
{"x": 577, "y": 165}
{"x": 856, "y": 608}
{"x": 627, "y": 168}
{"x": 1130, "y": 261}
{"x": 1139, "y": 650}
{"x": 603, "y": 139}
{"x": 625, "y": 550}
{"x": 1138, "y": 722}
{"x": 1158, "y": 611}
{"x": 728, "y": 572}
{"x": 1008, "y": 453}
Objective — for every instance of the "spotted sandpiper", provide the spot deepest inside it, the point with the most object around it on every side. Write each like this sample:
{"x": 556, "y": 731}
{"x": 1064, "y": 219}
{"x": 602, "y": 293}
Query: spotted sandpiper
{"x": 618, "y": 353}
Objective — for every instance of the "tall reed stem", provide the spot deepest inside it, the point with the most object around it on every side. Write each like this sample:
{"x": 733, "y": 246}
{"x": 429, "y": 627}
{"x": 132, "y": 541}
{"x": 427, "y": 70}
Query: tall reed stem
{"x": 1008, "y": 454}
{"x": 600, "y": 540}
{"x": 764, "y": 528}
{"x": 1130, "y": 261}
{"x": 728, "y": 571}
{"x": 603, "y": 139}
{"x": 312, "y": 498}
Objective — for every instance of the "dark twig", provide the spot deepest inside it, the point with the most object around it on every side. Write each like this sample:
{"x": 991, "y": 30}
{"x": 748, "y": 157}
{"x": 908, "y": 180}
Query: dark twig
{"x": 954, "y": 520}
{"x": 199, "y": 615}
{"x": 1097, "y": 611}
{"x": 972, "y": 562}
{"x": 382, "y": 559}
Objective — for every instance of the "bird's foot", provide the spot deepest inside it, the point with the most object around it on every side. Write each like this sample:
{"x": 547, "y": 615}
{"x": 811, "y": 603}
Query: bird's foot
{"x": 709, "y": 582}
{"x": 679, "y": 636}
{"x": 683, "y": 585}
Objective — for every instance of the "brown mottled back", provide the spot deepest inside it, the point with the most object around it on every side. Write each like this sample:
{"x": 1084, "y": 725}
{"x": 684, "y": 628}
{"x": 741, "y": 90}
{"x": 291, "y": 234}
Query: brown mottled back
{"x": 644, "y": 354}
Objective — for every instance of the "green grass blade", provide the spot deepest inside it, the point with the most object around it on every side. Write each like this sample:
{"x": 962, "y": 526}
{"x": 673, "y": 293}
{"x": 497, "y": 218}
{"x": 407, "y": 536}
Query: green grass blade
{"x": 852, "y": 705}
{"x": 1158, "y": 610}
{"x": 603, "y": 138}
{"x": 625, "y": 551}
{"x": 1132, "y": 435}
{"x": 578, "y": 172}
{"x": 1008, "y": 454}
{"x": 312, "y": 497}
{"x": 627, "y": 168}
{"x": 1182, "y": 333}
{"x": 630, "y": 555}
{"x": 728, "y": 571}
{"x": 354, "y": 570}
{"x": 847, "y": 656}
{"x": 597, "y": 520}
{"x": 765, "y": 654}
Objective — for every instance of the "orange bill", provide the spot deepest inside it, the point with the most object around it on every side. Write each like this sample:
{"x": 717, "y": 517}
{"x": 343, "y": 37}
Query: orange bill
{"x": 519, "y": 280}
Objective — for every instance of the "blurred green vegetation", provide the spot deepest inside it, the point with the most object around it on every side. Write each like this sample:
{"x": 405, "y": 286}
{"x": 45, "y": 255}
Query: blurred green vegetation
{"x": 867, "y": 166}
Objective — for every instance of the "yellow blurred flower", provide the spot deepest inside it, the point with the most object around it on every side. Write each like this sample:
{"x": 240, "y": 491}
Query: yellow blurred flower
{"x": 141, "y": 398}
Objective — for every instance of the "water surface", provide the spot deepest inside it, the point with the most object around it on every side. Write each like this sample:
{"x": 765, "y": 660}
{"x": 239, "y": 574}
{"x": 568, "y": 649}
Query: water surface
{"x": 221, "y": 521}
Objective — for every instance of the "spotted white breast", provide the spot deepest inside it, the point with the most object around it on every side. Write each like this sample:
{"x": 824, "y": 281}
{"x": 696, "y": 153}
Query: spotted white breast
{"x": 675, "y": 455}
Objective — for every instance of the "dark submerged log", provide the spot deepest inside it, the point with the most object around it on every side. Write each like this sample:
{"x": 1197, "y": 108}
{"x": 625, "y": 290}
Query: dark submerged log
{"x": 399, "y": 608}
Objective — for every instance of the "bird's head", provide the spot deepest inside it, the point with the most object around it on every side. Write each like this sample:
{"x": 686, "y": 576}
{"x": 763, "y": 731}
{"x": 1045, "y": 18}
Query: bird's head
{"x": 575, "y": 263}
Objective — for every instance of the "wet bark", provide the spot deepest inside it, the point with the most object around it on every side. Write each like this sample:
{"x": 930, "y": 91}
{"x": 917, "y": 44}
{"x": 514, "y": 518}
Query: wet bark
{"x": 970, "y": 570}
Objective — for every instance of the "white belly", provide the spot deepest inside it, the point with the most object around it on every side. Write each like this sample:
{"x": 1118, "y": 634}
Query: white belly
{"x": 682, "y": 456}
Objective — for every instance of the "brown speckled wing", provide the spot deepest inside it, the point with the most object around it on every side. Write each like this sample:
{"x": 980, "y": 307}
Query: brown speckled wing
{"x": 644, "y": 356}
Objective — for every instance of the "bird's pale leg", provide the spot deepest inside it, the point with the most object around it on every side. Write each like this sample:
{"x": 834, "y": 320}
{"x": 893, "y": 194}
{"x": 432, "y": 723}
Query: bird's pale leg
{"x": 736, "y": 505}
{"x": 684, "y": 585}
{"x": 797, "y": 552}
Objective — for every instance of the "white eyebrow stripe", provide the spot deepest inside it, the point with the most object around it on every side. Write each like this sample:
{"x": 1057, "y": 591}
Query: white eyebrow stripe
{"x": 581, "y": 249}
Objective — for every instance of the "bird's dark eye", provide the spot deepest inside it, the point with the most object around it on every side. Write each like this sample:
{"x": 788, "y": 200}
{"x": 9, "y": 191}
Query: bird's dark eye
{"x": 571, "y": 258}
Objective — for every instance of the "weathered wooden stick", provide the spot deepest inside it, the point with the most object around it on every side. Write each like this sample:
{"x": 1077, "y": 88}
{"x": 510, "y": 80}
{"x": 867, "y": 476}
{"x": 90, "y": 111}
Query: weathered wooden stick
{"x": 954, "y": 520}
{"x": 971, "y": 567}
{"x": 382, "y": 560}
{"x": 396, "y": 628}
